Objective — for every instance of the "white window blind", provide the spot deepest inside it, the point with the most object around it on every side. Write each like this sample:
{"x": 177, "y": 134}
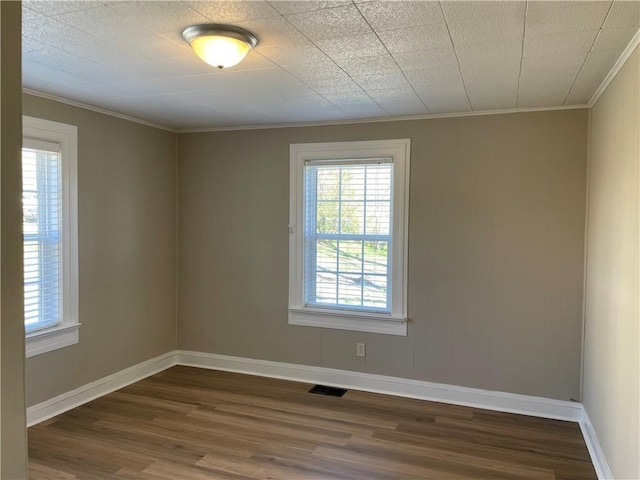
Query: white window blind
{"x": 348, "y": 219}
{"x": 42, "y": 219}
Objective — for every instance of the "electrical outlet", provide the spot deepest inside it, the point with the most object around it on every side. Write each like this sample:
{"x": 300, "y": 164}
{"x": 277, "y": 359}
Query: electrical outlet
{"x": 360, "y": 349}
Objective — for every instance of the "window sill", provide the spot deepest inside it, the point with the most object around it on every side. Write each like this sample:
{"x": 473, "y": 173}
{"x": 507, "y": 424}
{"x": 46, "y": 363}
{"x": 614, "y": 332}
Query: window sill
{"x": 358, "y": 322}
{"x": 44, "y": 341}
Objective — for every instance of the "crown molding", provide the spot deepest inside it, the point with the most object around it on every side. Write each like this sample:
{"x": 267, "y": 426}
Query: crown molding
{"x": 622, "y": 60}
{"x": 93, "y": 108}
{"x": 295, "y": 125}
{"x": 382, "y": 119}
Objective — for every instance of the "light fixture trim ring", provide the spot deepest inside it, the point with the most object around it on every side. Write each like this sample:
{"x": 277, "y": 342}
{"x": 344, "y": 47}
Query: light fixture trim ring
{"x": 217, "y": 29}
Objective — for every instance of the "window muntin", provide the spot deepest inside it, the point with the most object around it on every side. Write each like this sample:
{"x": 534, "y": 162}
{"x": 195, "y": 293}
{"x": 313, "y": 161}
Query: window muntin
{"x": 323, "y": 246}
{"x": 348, "y": 215}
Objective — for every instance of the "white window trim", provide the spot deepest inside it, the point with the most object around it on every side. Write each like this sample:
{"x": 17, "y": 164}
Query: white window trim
{"x": 394, "y": 323}
{"x": 67, "y": 331}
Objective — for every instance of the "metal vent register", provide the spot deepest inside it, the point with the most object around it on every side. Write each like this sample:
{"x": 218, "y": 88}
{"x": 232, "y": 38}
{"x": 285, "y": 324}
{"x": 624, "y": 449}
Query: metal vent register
{"x": 329, "y": 391}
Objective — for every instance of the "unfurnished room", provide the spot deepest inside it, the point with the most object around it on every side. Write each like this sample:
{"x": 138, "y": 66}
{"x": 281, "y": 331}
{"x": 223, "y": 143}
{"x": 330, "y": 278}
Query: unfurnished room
{"x": 342, "y": 239}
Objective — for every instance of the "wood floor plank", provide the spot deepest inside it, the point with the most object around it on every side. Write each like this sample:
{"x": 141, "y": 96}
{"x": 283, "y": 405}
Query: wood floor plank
{"x": 283, "y": 429}
{"x": 193, "y": 424}
{"x": 308, "y": 420}
{"x": 333, "y": 469}
{"x": 496, "y": 453}
{"x": 475, "y": 434}
{"x": 399, "y": 465}
{"x": 451, "y": 461}
{"x": 43, "y": 471}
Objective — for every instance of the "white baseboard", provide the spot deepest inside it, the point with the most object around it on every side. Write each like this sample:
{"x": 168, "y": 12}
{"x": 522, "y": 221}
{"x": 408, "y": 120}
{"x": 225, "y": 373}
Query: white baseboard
{"x": 473, "y": 397}
{"x": 595, "y": 450}
{"x": 60, "y": 404}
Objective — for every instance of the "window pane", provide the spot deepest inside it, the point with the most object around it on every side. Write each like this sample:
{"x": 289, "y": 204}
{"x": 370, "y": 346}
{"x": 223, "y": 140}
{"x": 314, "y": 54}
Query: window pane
{"x": 350, "y": 290}
{"x": 375, "y": 258}
{"x": 353, "y": 182}
{"x": 326, "y": 288}
{"x": 350, "y": 256}
{"x": 379, "y": 184}
{"x": 328, "y": 184}
{"x": 375, "y": 291}
{"x": 351, "y": 217}
{"x": 41, "y": 200}
{"x": 328, "y": 220}
{"x": 378, "y": 218}
{"x": 327, "y": 255}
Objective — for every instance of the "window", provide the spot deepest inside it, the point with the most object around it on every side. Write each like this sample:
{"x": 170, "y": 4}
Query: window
{"x": 348, "y": 234}
{"x": 49, "y": 212}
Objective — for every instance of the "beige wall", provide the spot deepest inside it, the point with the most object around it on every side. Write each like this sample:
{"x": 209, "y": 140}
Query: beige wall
{"x": 495, "y": 251}
{"x": 13, "y": 456}
{"x": 612, "y": 336}
{"x": 127, "y": 249}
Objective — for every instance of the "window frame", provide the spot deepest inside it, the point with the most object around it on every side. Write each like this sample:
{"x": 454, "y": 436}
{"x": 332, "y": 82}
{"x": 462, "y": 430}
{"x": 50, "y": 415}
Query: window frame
{"x": 66, "y": 332}
{"x": 393, "y": 323}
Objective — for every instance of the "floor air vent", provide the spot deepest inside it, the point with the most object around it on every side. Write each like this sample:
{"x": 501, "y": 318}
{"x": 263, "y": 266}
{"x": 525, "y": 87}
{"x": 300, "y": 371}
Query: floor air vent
{"x": 330, "y": 391}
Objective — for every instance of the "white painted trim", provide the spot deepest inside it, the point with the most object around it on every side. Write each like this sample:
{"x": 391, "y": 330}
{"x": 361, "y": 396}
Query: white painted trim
{"x": 438, "y": 392}
{"x": 399, "y": 153}
{"x": 595, "y": 450}
{"x": 43, "y": 341}
{"x": 92, "y": 108}
{"x": 356, "y": 121}
{"x": 346, "y": 321}
{"x": 81, "y": 395}
{"x": 585, "y": 264}
{"x": 404, "y": 387}
{"x": 62, "y": 137}
{"x": 624, "y": 56}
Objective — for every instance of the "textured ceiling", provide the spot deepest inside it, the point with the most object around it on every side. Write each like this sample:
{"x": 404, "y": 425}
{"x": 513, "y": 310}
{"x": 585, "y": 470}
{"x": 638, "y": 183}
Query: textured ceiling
{"x": 322, "y": 61}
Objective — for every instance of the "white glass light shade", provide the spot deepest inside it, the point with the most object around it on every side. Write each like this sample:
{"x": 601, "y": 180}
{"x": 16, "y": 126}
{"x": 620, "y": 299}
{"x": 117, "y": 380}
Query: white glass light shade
{"x": 221, "y": 52}
{"x": 221, "y": 46}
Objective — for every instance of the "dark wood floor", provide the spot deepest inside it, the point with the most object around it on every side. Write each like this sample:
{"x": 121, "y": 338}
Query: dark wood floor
{"x": 188, "y": 423}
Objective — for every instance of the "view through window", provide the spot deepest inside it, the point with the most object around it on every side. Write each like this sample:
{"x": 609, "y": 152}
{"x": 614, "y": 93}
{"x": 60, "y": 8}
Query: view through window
{"x": 348, "y": 217}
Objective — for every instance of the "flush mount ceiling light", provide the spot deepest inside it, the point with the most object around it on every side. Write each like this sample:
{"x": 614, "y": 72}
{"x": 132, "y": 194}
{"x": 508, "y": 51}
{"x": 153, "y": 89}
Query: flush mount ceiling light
{"x": 218, "y": 45}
